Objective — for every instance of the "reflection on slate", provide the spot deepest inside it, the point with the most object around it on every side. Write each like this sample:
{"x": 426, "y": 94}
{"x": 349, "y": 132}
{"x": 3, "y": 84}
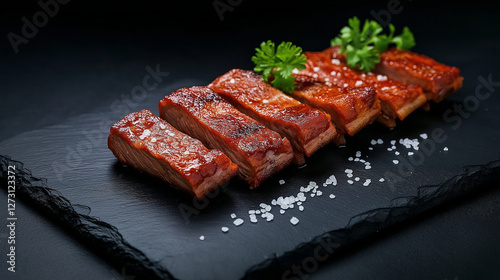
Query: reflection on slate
{"x": 135, "y": 222}
{"x": 100, "y": 236}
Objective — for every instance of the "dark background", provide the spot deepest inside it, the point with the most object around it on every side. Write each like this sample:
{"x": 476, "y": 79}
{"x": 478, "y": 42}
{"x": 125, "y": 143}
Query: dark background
{"x": 91, "y": 53}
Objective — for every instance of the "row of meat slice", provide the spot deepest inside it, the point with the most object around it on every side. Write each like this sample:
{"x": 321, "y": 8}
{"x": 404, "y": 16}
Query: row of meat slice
{"x": 261, "y": 129}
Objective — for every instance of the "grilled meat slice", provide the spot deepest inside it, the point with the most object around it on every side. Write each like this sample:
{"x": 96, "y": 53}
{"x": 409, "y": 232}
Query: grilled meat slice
{"x": 397, "y": 99}
{"x": 351, "y": 109}
{"x": 200, "y": 112}
{"x": 307, "y": 128}
{"x": 148, "y": 143}
{"x": 437, "y": 80}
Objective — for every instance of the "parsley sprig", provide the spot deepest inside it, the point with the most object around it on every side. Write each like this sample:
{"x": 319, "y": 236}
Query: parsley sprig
{"x": 279, "y": 62}
{"x": 364, "y": 46}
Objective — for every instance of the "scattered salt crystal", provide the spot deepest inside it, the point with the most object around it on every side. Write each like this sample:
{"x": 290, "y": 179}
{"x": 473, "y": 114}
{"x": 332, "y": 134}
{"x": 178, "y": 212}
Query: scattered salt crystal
{"x": 445, "y": 149}
{"x": 202, "y": 237}
{"x": 263, "y": 205}
{"x": 251, "y": 212}
{"x": 145, "y": 134}
{"x": 333, "y": 73}
{"x": 350, "y": 182}
{"x": 373, "y": 142}
{"x": 356, "y": 159}
{"x": 299, "y": 203}
{"x": 315, "y": 75}
{"x": 233, "y": 216}
{"x": 393, "y": 142}
{"x": 356, "y": 179}
{"x": 348, "y": 171}
{"x": 282, "y": 182}
{"x": 395, "y": 161}
{"x": 257, "y": 212}
{"x": 295, "y": 71}
{"x": 358, "y": 154}
{"x": 367, "y": 182}
{"x": 294, "y": 221}
{"x": 349, "y": 175}
{"x": 163, "y": 126}
{"x": 336, "y": 61}
{"x": 332, "y": 196}
{"x": 238, "y": 222}
{"x": 301, "y": 208}
{"x": 358, "y": 83}
{"x": 380, "y": 141}
{"x": 389, "y": 149}
{"x": 368, "y": 167}
{"x": 316, "y": 69}
{"x": 282, "y": 211}
{"x": 423, "y": 136}
{"x": 370, "y": 148}
{"x": 265, "y": 101}
{"x": 396, "y": 153}
{"x": 381, "y": 78}
{"x": 268, "y": 208}
{"x": 381, "y": 180}
{"x": 154, "y": 140}
{"x": 224, "y": 229}
{"x": 346, "y": 85}
{"x": 273, "y": 202}
{"x": 334, "y": 180}
{"x": 313, "y": 194}
{"x": 319, "y": 193}
{"x": 410, "y": 153}
{"x": 350, "y": 159}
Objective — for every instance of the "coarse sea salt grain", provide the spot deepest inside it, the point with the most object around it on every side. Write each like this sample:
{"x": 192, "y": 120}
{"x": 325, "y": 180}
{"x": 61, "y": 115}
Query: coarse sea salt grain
{"x": 373, "y": 142}
{"x": 367, "y": 182}
{"x": 282, "y": 182}
{"x": 380, "y": 141}
{"x": 294, "y": 220}
{"x": 356, "y": 179}
{"x": 410, "y": 153}
{"x": 445, "y": 149}
{"x": 202, "y": 237}
{"x": 315, "y": 75}
{"x": 335, "y": 61}
{"x": 231, "y": 81}
{"x": 238, "y": 222}
{"x": 332, "y": 196}
{"x": 145, "y": 134}
{"x": 381, "y": 180}
{"x": 350, "y": 182}
{"x": 316, "y": 69}
{"x": 233, "y": 216}
{"x": 358, "y": 83}
{"x": 301, "y": 208}
{"x": 395, "y": 161}
{"x": 224, "y": 229}
{"x": 423, "y": 136}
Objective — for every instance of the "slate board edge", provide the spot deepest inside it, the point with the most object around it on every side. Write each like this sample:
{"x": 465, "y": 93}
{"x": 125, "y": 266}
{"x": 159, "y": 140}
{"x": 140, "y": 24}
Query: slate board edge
{"x": 99, "y": 236}
{"x": 326, "y": 245}
{"x": 105, "y": 239}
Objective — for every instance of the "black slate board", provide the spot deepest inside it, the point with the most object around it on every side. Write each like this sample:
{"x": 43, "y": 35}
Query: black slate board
{"x": 138, "y": 222}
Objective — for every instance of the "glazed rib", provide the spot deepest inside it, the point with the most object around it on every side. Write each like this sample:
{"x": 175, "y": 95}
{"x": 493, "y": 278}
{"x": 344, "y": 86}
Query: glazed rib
{"x": 437, "y": 80}
{"x": 258, "y": 151}
{"x": 351, "y": 109}
{"x": 397, "y": 99}
{"x": 148, "y": 143}
{"x": 307, "y": 128}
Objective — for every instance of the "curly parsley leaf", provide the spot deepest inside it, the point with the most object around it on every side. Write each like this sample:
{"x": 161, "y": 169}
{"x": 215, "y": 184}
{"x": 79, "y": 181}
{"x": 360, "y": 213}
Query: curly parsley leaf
{"x": 279, "y": 62}
{"x": 363, "y": 46}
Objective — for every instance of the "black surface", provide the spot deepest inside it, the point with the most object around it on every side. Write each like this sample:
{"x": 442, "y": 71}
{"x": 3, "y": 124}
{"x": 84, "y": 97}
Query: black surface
{"x": 105, "y": 83}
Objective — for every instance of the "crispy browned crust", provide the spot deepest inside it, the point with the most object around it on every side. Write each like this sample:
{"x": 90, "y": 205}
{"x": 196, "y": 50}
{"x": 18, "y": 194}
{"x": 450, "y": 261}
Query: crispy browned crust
{"x": 351, "y": 109}
{"x": 200, "y": 112}
{"x": 397, "y": 99}
{"x": 307, "y": 128}
{"x": 148, "y": 143}
{"x": 437, "y": 80}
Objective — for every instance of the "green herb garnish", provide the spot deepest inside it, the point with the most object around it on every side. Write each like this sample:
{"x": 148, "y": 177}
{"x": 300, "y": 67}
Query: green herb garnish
{"x": 363, "y": 47}
{"x": 280, "y": 62}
